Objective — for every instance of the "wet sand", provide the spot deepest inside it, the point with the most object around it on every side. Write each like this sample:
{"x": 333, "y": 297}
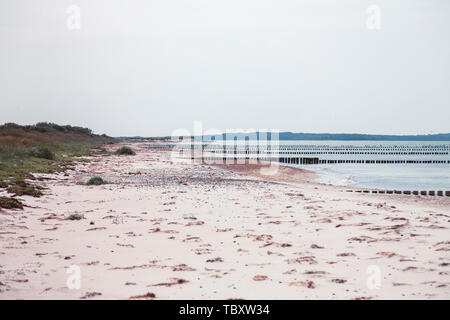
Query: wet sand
{"x": 165, "y": 229}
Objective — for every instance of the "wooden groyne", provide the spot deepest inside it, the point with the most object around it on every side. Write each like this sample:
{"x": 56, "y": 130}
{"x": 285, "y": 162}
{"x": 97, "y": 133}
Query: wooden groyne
{"x": 293, "y": 160}
{"x": 433, "y": 193}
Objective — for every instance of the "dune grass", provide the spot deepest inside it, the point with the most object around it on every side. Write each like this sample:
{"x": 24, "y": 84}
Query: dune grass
{"x": 44, "y": 152}
{"x": 125, "y": 151}
{"x": 18, "y": 163}
{"x": 96, "y": 181}
{"x": 75, "y": 216}
{"x": 25, "y": 150}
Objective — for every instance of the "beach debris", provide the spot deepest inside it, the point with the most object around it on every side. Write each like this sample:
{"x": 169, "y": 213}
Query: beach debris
{"x": 10, "y": 203}
{"x": 397, "y": 284}
{"x": 98, "y": 228}
{"x": 290, "y": 271}
{"x": 91, "y": 295}
{"x": 275, "y": 253}
{"x": 346, "y": 254}
{"x": 75, "y": 216}
{"x": 117, "y": 220}
{"x": 410, "y": 268}
{"x": 192, "y": 239}
{"x": 182, "y": 267}
{"x": 260, "y": 277}
{"x": 148, "y": 295}
{"x": 305, "y": 259}
{"x": 20, "y": 280}
{"x": 260, "y": 237}
{"x": 322, "y": 220}
{"x": 362, "y": 239}
{"x": 386, "y": 254}
{"x": 338, "y": 280}
{"x": 50, "y": 216}
{"x": 196, "y": 223}
{"x": 125, "y": 245}
{"x": 318, "y": 272}
{"x": 308, "y": 284}
{"x": 174, "y": 281}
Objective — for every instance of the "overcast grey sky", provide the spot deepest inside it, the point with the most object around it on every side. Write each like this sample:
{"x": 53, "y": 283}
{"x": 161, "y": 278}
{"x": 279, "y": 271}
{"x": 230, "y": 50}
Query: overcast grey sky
{"x": 148, "y": 67}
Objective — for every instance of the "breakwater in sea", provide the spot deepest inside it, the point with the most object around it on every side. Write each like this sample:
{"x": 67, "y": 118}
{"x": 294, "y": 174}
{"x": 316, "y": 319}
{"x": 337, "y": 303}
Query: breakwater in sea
{"x": 314, "y": 153}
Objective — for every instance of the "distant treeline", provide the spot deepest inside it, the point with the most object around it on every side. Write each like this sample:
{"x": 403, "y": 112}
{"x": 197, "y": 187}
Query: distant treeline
{"x": 44, "y": 132}
{"x": 47, "y": 127}
{"x": 330, "y": 136}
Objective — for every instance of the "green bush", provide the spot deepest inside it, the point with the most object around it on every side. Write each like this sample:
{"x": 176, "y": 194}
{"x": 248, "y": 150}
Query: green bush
{"x": 95, "y": 181}
{"x": 44, "y": 153}
{"x": 75, "y": 216}
{"x": 125, "y": 151}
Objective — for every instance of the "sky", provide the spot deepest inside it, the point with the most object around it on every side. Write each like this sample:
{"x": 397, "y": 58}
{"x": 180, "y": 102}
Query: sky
{"x": 150, "y": 67}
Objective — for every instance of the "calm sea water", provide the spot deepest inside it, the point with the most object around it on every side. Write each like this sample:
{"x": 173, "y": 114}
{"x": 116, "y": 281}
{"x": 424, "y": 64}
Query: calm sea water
{"x": 386, "y": 176}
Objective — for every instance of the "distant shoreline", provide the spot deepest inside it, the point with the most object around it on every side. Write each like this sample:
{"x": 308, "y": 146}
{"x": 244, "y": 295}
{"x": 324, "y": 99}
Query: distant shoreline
{"x": 287, "y": 136}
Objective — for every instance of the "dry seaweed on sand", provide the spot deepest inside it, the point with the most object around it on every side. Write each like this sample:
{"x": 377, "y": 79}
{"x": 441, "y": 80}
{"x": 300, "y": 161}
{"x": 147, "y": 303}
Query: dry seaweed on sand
{"x": 10, "y": 203}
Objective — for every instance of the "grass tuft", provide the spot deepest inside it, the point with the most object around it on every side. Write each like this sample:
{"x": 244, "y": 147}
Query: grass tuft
{"x": 95, "y": 181}
{"x": 75, "y": 216}
{"x": 125, "y": 151}
{"x": 44, "y": 153}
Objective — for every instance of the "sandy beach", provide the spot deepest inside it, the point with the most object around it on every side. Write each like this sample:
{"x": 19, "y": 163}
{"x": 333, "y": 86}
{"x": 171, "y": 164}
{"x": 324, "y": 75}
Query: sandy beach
{"x": 165, "y": 229}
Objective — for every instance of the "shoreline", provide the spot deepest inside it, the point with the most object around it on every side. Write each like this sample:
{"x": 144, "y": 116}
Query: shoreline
{"x": 191, "y": 231}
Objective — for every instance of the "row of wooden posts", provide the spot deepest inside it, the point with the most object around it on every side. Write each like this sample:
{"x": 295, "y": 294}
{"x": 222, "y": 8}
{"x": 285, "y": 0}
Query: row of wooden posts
{"x": 439, "y": 193}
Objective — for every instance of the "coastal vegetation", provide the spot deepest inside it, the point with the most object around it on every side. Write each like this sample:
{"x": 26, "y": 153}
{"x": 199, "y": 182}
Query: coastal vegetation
{"x": 125, "y": 151}
{"x": 10, "y": 203}
{"x": 95, "y": 181}
{"x": 75, "y": 216}
{"x": 41, "y": 148}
